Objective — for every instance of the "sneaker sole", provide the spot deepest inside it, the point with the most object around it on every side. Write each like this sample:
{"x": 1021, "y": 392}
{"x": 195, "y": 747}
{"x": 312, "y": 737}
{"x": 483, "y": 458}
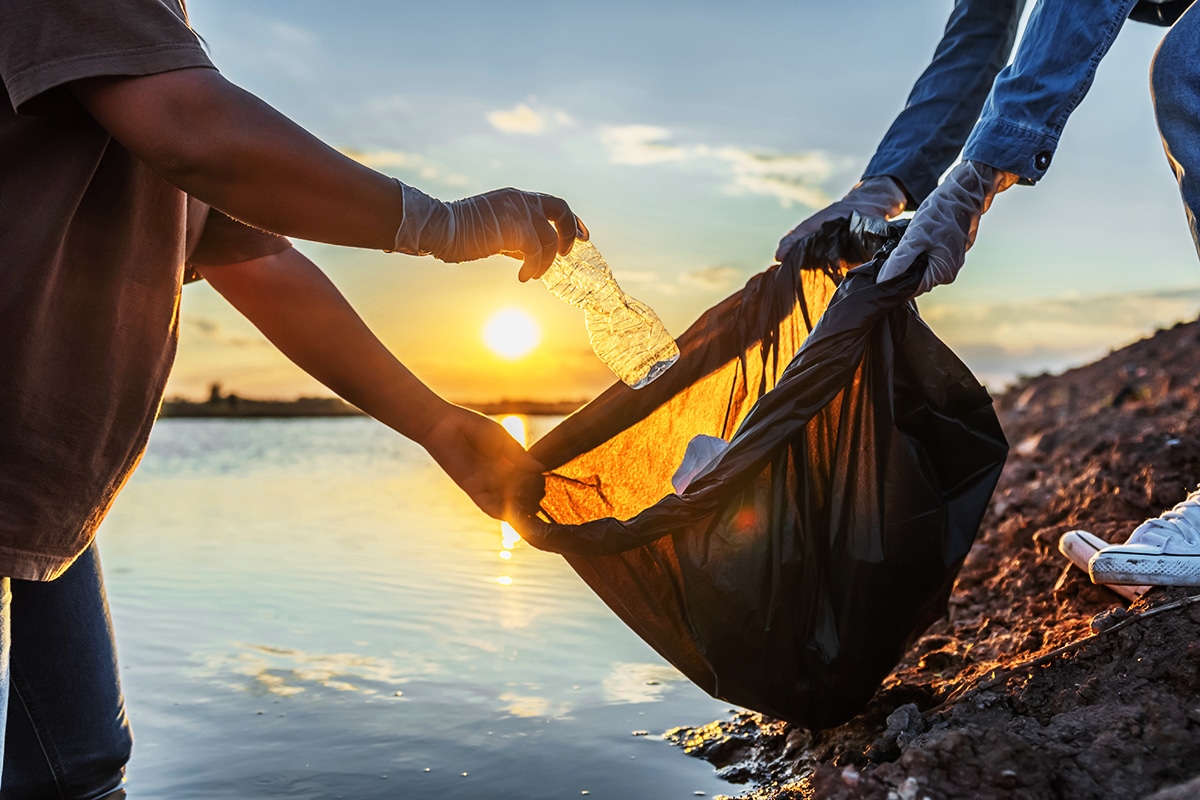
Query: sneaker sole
{"x": 1080, "y": 547}
{"x": 1115, "y": 566}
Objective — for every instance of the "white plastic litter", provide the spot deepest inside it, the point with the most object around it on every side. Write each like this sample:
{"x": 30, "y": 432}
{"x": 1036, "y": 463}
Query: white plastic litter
{"x": 700, "y": 454}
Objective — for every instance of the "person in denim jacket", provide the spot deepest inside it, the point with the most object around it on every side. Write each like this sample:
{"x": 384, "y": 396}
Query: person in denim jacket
{"x": 1006, "y": 120}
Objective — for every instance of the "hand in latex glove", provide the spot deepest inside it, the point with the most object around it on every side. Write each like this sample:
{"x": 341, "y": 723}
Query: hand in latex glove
{"x": 879, "y": 196}
{"x": 945, "y": 224}
{"x": 506, "y": 221}
{"x": 486, "y": 462}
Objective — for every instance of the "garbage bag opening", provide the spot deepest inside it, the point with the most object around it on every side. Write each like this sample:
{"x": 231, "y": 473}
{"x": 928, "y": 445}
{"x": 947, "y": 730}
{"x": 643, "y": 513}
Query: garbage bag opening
{"x": 791, "y": 575}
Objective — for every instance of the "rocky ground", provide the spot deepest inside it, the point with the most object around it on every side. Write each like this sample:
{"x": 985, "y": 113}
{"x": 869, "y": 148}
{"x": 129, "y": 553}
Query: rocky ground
{"x": 1037, "y": 684}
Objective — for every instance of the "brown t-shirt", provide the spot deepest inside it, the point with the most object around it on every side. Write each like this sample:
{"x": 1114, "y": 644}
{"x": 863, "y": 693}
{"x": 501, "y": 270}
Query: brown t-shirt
{"x": 92, "y": 251}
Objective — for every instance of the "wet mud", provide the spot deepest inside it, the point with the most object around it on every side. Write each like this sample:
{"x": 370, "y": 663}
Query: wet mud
{"x": 1037, "y": 683}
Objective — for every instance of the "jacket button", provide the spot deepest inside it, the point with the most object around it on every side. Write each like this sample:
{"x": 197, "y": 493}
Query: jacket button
{"x": 1042, "y": 160}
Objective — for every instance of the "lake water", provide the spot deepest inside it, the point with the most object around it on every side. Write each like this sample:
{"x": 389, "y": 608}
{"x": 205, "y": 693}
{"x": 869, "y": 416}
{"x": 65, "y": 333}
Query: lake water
{"x": 311, "y": 609}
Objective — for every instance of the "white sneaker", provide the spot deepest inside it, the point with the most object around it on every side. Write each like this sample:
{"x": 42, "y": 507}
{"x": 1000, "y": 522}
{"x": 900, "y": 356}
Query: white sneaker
{"x": 1080, "y": 546}
{"x": 1164, "y": 551}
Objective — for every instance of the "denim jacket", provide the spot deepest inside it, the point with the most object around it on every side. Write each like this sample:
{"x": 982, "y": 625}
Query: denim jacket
{"x": 1010, "y": 117}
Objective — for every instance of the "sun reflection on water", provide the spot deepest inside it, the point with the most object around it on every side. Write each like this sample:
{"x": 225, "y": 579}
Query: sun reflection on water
{"x": 516, "y": 427}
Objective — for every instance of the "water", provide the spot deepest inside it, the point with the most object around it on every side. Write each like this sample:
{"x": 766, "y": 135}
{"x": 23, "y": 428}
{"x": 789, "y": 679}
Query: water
{"x": 311, "y": 609}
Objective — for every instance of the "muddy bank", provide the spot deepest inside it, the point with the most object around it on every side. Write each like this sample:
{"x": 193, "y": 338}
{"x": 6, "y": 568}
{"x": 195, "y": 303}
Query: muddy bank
{"x": 1037, "y": 684}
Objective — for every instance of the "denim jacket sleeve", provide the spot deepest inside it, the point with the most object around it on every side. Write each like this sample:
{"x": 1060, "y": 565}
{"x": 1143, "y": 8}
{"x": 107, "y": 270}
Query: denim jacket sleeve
{"x": 1032, "y": 98}
{"x": 944, "y": 103}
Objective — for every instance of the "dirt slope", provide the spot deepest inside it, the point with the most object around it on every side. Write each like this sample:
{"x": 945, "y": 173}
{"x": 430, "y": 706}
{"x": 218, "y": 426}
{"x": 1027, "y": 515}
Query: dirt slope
{"x": 1013, "y": 695}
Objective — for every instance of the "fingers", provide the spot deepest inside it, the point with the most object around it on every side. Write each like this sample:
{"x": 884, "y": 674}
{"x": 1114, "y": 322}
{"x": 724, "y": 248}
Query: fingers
{"x": 785, "y": 244}
{"x": 567, "y": 225}
{"x": 808, "y": 227}
{"x": 539, "y": 258}
{"x": 897, "y": 263}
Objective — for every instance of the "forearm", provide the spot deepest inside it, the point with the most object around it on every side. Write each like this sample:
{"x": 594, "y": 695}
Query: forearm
{"x": 236, "y": 153}
{"x": 945, "y": 101}
{"x": 301, "y": 312}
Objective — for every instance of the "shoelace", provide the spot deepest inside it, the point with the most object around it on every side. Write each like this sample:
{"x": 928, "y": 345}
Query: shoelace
{"x": 1182, "y": 521}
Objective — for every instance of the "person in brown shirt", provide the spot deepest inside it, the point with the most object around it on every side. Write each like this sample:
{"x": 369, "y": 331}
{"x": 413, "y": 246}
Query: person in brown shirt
{"x": 111, "y": 118}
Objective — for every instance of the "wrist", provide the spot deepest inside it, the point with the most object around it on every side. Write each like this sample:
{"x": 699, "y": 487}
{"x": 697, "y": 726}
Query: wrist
{"x": 879, "y": 195}
{"x": 425, "y": 224}
{"x": 424, "y": 422}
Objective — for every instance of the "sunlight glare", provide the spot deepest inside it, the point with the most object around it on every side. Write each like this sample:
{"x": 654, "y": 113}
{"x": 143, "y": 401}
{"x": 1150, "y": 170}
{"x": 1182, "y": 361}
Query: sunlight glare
{"x": 515, "y": 425}
{"x": 511, "y": 333}
{"x": 508, "y": 536}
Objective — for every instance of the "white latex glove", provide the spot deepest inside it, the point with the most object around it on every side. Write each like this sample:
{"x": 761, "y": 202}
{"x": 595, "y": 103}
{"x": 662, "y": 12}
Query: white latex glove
{"x": 506, "y": 221}
{"x": 945, "y": 224}
{"x": 879, "y": 196}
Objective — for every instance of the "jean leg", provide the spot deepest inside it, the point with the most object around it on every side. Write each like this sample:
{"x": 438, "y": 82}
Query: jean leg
{"x": 67, "y": 734}
{"x": 1175, "y": 85}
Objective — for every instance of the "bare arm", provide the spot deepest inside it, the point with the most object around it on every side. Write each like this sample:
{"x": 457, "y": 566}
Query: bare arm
{"x": 295, "y": 305}
{"x": 233, "y": 151}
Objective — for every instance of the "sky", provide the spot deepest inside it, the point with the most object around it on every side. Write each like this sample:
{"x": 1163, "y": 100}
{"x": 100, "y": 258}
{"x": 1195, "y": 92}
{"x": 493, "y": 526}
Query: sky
{"x": 689, "y": 137}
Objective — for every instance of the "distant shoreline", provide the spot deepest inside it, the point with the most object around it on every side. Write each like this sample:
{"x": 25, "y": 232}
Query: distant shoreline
{"x": 234, "y": 407}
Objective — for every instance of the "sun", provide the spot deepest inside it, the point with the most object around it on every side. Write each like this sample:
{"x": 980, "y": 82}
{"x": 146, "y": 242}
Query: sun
{"x": 511, "y": 333}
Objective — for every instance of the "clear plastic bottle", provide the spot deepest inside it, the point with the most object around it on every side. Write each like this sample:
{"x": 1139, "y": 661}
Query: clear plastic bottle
{"x": 625, "y": 333}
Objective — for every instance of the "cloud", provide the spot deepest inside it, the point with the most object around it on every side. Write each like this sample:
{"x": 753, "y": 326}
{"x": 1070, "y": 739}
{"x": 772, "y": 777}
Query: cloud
{"x": 1003, "y": 340}
{"x": 712, "y": 279}
{"x": 209, "y": 330}
{"x": 385, "y": 159}
{"x": 524, "y": 119}
{"x": 794, "y": 178}
{"x": 642, "y": 144}
{"x": 291, "y": 34}
{"x": 790, "y": 178}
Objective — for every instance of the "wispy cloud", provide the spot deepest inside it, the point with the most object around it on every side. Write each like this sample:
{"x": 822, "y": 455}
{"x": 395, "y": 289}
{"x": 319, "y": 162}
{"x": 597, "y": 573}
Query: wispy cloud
{"x": 527, "y": 120}
{"x": 1002, "y": 340}
{"x": 643, "y": 144}
{"x": 712, "y": 279}
{"x": 386, "y": 159}
{"x": 790, "y": 178}
{"x": 290, "y": 34}
{"x": 211, "y": 331}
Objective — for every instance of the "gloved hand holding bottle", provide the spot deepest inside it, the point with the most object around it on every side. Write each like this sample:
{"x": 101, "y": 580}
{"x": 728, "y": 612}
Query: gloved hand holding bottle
{"x": 878, "y": 196}
{"x": 507, "y": 221}
{"x": 946, "y": 222}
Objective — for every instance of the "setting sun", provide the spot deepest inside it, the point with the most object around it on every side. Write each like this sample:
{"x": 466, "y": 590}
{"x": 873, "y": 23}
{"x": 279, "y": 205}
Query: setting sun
{"x": 511, "y": 333}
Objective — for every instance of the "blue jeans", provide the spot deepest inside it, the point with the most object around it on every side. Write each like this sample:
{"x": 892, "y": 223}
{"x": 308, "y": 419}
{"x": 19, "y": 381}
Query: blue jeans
{"x": 1175, "y": 83}
{"x": 66, "y": 735}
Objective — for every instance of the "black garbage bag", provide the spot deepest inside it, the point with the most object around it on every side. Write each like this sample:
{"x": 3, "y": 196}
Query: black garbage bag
{"x": 792, "y": 576}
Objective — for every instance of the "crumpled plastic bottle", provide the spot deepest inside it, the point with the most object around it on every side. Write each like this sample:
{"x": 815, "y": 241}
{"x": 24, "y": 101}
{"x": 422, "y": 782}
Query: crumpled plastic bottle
{"x": 625, "y": 333}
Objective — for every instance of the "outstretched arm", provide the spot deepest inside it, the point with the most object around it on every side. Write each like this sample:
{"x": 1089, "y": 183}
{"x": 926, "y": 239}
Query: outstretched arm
{"x": 927, "y": 135}
{"x": 228, "y": 148}
{"x": 301, "y": 312}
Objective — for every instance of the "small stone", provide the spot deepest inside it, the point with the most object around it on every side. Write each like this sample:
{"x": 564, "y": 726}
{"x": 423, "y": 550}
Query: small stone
{"x": 399, "y": 693}
{"x": 641, "y": 733}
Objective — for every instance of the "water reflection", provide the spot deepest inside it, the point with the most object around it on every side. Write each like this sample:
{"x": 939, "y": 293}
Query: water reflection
{"x": 639, "y": 683}
{"x": 533, "y": 706}
{"x": 286, "y": 672}
{"x": 516, "y": 427}
{"x": 322, "y": 568}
